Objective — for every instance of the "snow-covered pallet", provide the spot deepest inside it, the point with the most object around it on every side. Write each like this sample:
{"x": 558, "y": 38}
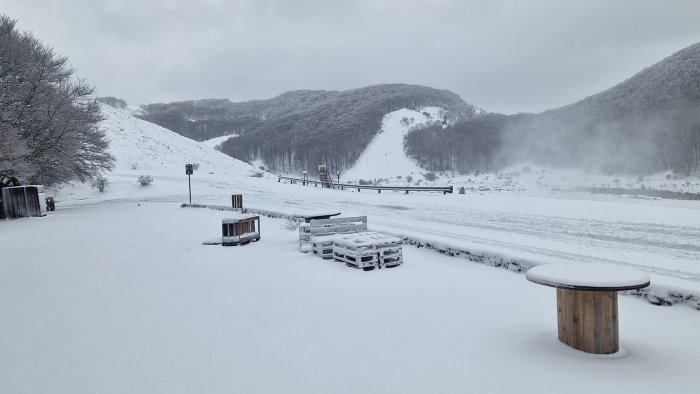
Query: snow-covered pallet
{"x": 321, "y": 227}
{"x": 368, "y": 250}
{"x": 322, "y": 245}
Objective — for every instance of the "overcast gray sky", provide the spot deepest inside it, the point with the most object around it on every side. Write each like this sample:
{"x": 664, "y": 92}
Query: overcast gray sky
{"x": 502, "y": 56}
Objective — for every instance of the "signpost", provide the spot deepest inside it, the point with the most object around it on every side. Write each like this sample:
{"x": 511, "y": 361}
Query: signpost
{"x": 189, "y": 169}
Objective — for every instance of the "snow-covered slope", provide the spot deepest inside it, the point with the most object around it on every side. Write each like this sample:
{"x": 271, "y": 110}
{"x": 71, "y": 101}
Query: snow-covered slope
{"x": 385, "y": 157}
{"x": 143, "y": 148}
{"x": 158, "y": 151}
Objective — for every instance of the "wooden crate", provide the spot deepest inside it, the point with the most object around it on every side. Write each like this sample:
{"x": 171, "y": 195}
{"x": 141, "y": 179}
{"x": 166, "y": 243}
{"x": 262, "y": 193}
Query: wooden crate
{"x": 240, "y": 230}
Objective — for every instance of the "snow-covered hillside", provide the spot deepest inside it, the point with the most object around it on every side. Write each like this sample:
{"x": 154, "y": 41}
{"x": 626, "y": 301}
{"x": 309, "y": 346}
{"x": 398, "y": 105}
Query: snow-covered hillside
{"x": 142, "y": 148}
{"x": 385, "y": 157}
{"x": 158, "y": 151}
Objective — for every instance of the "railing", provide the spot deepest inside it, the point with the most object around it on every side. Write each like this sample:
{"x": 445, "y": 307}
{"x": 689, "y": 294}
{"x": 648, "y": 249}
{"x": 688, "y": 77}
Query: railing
{"x": 343, "y": 186}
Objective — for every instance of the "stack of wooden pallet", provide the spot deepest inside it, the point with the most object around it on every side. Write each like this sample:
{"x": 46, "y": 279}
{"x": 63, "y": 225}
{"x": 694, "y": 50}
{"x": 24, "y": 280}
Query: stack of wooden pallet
{"x": 368, "y": 250}
{"x": 347, "y": 240}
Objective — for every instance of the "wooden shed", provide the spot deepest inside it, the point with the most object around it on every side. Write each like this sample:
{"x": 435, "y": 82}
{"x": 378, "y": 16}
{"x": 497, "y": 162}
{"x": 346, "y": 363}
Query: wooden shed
{"x": 240, "y": 230}
{"x": 23, "y": 201}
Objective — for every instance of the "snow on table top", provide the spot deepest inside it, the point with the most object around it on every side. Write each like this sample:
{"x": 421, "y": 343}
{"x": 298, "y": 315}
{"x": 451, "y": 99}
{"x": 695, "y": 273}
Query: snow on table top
{"x": 315, "y": 214}
{"x": 588, "y": 276}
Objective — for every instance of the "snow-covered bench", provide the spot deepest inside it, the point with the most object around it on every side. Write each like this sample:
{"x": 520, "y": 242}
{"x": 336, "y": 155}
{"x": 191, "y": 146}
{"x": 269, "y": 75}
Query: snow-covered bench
{"x": 368, "y": 250}
{"x": 311, "y": 235}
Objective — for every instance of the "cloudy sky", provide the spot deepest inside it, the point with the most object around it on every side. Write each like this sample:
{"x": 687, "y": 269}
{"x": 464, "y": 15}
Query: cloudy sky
{"x": 503, "y": 56}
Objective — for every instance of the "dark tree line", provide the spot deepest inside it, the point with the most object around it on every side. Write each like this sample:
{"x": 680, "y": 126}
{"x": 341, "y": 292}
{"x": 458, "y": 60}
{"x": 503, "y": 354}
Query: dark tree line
{"x": 466, "y": 146}
{"x": 48, "y": 120}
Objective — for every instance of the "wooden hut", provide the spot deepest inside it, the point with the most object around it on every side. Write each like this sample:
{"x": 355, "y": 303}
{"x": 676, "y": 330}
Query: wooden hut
{"x": 23, "y": 201}
{"x": 240, "y": 230}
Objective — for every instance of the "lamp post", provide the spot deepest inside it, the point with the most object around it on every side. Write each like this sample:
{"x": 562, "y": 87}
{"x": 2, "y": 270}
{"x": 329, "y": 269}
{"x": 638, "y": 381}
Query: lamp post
{"x": 189, "y": 169}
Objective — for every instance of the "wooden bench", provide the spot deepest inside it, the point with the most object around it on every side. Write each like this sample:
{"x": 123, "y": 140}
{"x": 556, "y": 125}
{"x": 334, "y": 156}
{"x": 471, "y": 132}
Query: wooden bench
{"x": 368, "y": 250}
{"x": 314, "y": 232}
{"x": 587, "y": 316}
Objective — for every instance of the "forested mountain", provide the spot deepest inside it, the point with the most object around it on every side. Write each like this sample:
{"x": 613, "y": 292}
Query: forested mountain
{"x": 300, "y": 129}
{"x": 650, "y": 122}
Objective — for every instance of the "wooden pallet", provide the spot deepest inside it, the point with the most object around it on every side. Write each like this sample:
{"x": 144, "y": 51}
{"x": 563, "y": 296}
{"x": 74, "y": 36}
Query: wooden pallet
{"x": 368, "y": 250}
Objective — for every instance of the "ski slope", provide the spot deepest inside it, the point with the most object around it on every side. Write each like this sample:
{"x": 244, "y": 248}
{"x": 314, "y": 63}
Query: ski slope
{"x": 385, "y": 157}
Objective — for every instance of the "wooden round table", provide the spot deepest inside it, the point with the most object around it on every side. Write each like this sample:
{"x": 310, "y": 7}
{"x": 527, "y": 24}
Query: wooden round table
{"x": 587, "y": 301}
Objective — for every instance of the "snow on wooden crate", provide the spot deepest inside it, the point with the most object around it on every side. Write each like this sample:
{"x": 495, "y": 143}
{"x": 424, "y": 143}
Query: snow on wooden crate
{"x": 240, "y": 229}
{"x": 368, "y": 250}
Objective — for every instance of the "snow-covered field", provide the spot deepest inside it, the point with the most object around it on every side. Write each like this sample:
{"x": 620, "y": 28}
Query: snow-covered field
{"x": 128, "y": 300}
{"x": 114, "y": 291}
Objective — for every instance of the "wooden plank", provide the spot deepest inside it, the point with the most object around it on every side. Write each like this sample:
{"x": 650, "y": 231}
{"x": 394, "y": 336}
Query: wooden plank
{"x": 587, "y": 320}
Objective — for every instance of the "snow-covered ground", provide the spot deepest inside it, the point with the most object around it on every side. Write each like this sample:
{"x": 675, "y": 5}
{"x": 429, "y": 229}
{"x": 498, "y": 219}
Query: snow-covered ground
{"x": 114, "y": 292}
{"x": 216, "y": 141}
{"x": 128, "y": 300}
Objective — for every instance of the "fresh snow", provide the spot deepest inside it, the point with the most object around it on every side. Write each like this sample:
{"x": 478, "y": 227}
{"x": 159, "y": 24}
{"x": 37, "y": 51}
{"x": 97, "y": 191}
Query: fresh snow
{"x": 115, "y": 292}
{"x": 594, "y": 275}
{"x": 129, "y": 300}
{"x": 385, "y": 157}
{"x": 216, "y": 141}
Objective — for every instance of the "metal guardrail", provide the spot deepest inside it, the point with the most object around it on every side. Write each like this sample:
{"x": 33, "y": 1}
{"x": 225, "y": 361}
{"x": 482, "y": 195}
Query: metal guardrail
{"x": 343, "y": 186}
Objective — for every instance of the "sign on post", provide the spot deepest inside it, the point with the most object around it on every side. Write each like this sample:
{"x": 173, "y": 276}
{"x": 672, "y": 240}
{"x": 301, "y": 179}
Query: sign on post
{"x": 189, "y": 170}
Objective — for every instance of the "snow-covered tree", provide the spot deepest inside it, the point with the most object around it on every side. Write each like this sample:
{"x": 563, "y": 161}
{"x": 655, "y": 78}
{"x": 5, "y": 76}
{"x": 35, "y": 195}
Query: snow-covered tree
{"x": 48, "y": 120}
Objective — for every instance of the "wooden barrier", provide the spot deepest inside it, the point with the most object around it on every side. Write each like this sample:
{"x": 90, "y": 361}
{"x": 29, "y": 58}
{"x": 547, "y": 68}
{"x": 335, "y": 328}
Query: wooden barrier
{"x": 342, "y": 186}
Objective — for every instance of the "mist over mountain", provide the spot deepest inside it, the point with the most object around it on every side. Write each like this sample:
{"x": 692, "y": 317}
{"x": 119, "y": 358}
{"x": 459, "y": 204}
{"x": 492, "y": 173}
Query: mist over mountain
{"x": 650, "y": 122}
{"x": 298, "y": 130}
